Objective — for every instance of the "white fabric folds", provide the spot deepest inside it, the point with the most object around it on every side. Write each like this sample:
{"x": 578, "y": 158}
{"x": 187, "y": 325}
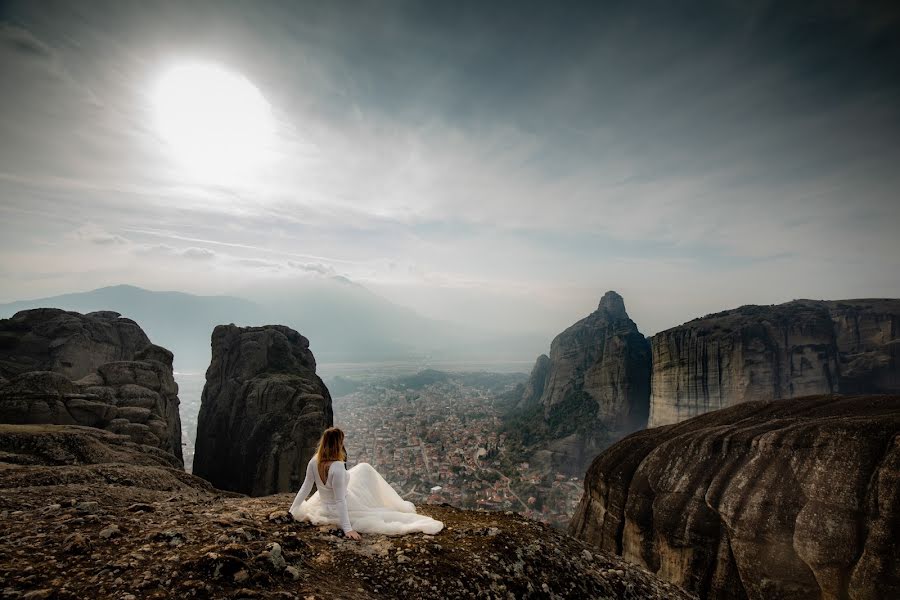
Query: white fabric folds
{"x": 371, "y": 504}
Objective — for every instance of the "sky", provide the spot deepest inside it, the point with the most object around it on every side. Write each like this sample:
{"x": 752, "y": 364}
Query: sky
{"x": 497, "y": 163}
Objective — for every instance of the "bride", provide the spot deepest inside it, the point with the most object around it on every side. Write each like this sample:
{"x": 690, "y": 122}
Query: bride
{"x": 358, "y": 499}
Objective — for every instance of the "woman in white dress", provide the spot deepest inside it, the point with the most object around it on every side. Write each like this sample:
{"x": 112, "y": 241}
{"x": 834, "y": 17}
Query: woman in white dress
{"x": 357, "y": 499}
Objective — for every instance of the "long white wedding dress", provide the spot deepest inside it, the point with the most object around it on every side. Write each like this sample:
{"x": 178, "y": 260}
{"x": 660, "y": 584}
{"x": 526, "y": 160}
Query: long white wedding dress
{"x": 358, "y": 499}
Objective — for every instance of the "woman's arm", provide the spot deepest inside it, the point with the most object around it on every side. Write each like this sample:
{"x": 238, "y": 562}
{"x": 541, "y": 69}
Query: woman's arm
{"x": 305, "y": 488}
{"x": 339, "y": 479}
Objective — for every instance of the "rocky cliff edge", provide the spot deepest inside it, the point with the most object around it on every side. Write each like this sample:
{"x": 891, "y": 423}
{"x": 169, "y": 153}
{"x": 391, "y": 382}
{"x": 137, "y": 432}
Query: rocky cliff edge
{"x": 125, "y": 531}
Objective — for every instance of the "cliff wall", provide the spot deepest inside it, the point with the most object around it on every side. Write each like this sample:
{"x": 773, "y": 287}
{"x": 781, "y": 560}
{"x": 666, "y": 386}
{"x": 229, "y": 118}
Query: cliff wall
{"x": 867, "y": 333}
{"x": 786, "y": 499}
{"x": 789, "y": 350}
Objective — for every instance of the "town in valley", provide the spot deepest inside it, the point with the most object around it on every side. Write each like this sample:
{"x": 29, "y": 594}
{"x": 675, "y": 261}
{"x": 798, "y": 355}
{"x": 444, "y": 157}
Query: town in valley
{"x": 439, "y": 437}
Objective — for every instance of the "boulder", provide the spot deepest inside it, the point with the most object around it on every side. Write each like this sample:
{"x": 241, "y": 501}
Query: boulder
{"x": 262, "y": 411}
{"x": 784, "y": 499}
{"x": 145, "y": 392}
{"x": 85, "y": 411}
{"x": 43, "y": 397}
{"x": 69, "y": 343}
{"x": 130, "y": 388}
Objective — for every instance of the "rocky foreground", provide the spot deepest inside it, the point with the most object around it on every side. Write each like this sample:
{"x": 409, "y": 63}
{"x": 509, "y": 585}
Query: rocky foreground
{"x": 115, "y": 530}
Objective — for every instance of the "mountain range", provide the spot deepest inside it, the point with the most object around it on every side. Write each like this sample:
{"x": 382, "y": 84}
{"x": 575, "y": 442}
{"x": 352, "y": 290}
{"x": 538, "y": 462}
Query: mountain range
{"x": 344, "y": 321}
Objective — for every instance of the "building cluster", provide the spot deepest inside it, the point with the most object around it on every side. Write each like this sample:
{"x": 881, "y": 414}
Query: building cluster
{"x": 444, "y": 443}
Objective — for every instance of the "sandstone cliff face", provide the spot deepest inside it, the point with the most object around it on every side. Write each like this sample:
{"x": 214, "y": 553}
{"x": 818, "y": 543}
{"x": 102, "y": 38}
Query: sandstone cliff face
{"x": 763, "y": 500}
{"x": 69, "y": 343}
{"x": 262, "y": 412}
{"x": 868, "y": 339}
{"x": 592, "y": 389}
{"x": 136, "y": 395}
{"x": 769, "y": 352}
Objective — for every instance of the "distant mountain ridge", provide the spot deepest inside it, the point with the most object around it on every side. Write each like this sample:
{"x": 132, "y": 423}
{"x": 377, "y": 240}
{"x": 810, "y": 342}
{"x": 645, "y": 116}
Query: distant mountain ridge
{"x": 344, "y": 321}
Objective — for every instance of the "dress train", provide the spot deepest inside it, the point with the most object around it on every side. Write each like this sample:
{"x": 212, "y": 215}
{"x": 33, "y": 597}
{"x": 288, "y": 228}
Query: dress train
{"x": 373, "y": 506}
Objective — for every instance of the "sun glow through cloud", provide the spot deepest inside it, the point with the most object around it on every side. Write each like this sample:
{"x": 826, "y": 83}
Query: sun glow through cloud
{"x": 216, "y": 122}
{"x": 503, "y": 168}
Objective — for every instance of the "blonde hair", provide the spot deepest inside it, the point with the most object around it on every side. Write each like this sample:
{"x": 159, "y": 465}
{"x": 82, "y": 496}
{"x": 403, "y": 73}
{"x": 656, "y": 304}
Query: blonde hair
{"x": 331, "y": 448}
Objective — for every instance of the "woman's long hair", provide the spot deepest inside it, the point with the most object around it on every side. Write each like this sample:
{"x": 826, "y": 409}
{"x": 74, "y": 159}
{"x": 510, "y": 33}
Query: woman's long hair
{"x": 331, "y": 448}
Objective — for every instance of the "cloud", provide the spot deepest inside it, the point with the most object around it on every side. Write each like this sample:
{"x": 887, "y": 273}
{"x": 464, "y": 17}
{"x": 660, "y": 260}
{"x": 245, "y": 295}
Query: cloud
{"x": 317, "y": 268}
{"x": 155, "y": 250}
{"x": 256, "y": 263}
{"x": 515, "y": 163}
{"x": 165, "y": 250}
{"x": 22, "y": 42}
{"x": 94, "y": 234}
{"x": 198, "y": 253}
{"x": 108, "y": 240}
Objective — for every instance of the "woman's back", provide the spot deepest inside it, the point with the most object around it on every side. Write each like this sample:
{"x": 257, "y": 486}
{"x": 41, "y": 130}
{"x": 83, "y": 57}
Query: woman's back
{"x": 325, "y": 485}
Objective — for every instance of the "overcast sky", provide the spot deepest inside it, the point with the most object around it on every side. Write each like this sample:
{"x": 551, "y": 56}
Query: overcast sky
{"x": 497, "y": 163}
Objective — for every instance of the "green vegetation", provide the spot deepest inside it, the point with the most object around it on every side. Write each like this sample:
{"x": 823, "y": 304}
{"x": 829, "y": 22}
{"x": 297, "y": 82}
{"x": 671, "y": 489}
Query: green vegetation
{"x": 576, "y": 413}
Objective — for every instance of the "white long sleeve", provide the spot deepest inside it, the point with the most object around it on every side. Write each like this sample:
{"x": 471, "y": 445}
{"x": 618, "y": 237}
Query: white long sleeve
{"x": 306, "y": 488}
{"x": 339, "y": 480}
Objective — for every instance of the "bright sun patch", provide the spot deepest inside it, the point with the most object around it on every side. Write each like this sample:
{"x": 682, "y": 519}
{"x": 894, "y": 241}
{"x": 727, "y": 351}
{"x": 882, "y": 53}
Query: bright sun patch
{"x": 216, "y": 122}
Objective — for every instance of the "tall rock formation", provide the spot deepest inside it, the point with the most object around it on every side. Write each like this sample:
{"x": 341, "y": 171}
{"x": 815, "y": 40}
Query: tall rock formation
{"x": 125, "y": 383}
{"x": 785, "y": 499}
{"x": 605, "y": 359}
{"x": 262, "y": 412}
{"x": 769, "y": 352}
{"x": 592, "y": 389}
